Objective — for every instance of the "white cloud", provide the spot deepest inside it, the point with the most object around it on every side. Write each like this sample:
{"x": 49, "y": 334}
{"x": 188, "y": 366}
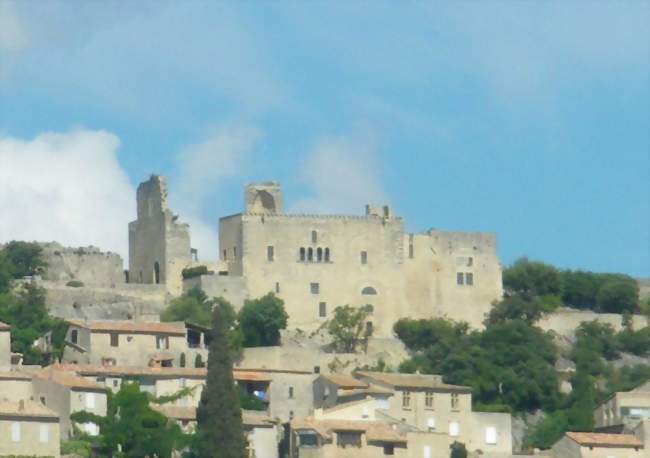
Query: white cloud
{"x": 343, "y": 175}
{"x": 67, "y": 187}
{"x": 202, "y": 169}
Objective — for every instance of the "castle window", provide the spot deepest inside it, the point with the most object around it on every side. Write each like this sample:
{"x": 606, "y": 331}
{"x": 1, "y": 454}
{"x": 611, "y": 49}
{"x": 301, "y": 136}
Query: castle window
{"x": 327, "y": 255}
{"x": 270, "y": 253}
{"x": 74, "y": 336}
{"x": 459, "y": 278}
{"x": 234, "y": 252}
{"x": 314, "y": 237}
{"x": 290, "y": 392}
{"x": 310, "y": 254}
{"x": 319, "y": 254}
{"x": 322, "y": 309}
{"x": 364, "y": 257}
{"x": 115, "y": 339}
{"x": 410, "y": 246}
{"x": 156, "y": 273}
{"x": 368, "y": 291}
{"x": 369, "y": 328}
{"x": 225, "y": 254}
{"x": 469, "y": 278}
{"x": 314, "y": 288}
{"x": 302, "y": 254}
{"x": 470, "y": 261}
{"x": 277, "y": 287}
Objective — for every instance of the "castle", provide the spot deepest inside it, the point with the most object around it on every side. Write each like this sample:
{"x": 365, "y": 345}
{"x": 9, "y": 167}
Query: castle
{"x": 318, "y": 262}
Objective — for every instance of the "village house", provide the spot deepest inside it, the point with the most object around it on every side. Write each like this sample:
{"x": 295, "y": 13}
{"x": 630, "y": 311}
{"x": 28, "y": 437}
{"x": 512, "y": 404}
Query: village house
{"x": 623, "y": 410}
{"x": 333, "y": 389}
{"x": 598, "y": 445}
{"x": 5, "y": 346}
{"x": 428, "y": 404}
{"x": 28, "y": 428}
{"x": 133, "y": 343}
{"x": 15, "y": 386}
{"x": 262, "y": 433}
{"x": 66, "y": 393}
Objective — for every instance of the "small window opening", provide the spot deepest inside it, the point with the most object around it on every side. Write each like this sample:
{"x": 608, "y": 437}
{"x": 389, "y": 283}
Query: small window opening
{"x": 310, "y": 254}
{"x": 364, "y": 257}
{"x": 290, "y": 392}
{"x": 469, "y": 278}
{"x": 277, "y": 287}
{"x": 156, "y": 273}
{"x": 459, "y": 278}
{"x": 314, "y": 237}
{"x": 327, "y": 255}
{"x": 322, "y": 309}
{"x": 314, "y": 288}
{"x": 115, "y": 339}
{"x": 319, "y": 254}
{"x": 74, "y": 336}
{"x": 270, "y": 253}
{"x": 302, "y": 254}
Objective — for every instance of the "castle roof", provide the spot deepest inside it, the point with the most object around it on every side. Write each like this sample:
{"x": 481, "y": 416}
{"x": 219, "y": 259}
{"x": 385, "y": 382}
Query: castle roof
{"x": 128, "y": 326}
{"x": 605, "y": 440}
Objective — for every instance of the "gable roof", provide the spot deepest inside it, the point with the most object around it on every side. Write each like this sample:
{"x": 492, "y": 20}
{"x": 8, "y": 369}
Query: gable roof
{"x": 344, "y": 381}
{"x": 26, "y": 409}
{"x": 188, "y": 413}
{"x": 605, "y": 440}
{"x": 375, "y": 430}
{"x": 412, "y": 381}
{"x": 67, "y": 379}
{"x": 176, "y": 328}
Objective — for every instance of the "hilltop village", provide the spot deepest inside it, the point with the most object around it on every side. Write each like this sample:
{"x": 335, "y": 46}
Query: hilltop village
{"x": 389, "y": 343}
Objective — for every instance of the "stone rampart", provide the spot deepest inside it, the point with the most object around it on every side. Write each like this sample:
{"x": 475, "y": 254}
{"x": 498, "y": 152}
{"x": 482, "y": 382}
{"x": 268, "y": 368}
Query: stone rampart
{"x": 86, "y": 264}
{"x": 564, "y": 321}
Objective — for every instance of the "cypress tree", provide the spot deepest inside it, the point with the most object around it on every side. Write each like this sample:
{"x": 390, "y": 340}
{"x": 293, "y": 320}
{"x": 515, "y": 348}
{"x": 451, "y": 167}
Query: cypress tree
{"x": 220, "y": 433}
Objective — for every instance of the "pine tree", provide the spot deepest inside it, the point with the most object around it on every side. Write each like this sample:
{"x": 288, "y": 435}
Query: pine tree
{"x": 220, "y": 432}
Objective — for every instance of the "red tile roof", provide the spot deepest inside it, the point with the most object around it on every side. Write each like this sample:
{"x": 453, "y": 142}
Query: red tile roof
{"x": 605, "y": 440}
{"x": 128, "y": 326}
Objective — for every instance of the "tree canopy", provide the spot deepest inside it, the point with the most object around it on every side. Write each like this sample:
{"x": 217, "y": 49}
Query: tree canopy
{"x": 261, "y": 319}
{"x": 347, "y": 327}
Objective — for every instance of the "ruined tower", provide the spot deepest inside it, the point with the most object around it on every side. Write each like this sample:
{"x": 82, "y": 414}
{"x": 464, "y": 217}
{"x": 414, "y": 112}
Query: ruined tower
{"x": 263, "y": 198}
{"x": 159, "y": 245}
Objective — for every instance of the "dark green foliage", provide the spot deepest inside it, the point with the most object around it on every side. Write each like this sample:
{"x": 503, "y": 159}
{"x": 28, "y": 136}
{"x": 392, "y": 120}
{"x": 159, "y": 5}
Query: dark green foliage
{"x": 260, "y": 321}
{"x": 626, "y": 378}
{"x": 191, "y": 272}
{"x": 347, "y": 327}
{"x": 219, "y": 422}
{"x": 635, "y": 342}
{"x": 509, "y": 365}
{"x": 75, "y": 284}
{"x": 580, "y": 416}
{"x": 529, "y": 279}
{"x": 24, "y": 258}
{"x": 458, "y": 450}
{"x": 193, "y": 306}
{"x": 250, "y": 402}
{"x": 518, "y": 308}
{"x": 133, "y": 425}
{"x": 598, "y": 338}
{"x": 615, "y": 293}
{"x": 548, "y": 431}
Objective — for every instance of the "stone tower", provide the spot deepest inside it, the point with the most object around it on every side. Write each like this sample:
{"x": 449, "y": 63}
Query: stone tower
{"x": 263, "y": 198}
{"x": 159, "y": 245}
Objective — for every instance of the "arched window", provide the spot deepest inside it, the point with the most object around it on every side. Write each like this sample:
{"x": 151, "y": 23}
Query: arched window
{"x": 319, "y": 254}
{"x": 310, "y": 254}
{"x": 156, "y": 272}
{"x": 368, "y": 291}
{"x": 302, "y": 253}
{"x": 327, "y": 255}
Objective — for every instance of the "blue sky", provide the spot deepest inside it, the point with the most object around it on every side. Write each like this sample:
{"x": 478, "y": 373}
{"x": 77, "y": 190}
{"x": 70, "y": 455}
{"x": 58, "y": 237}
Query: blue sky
{"x": 529, "y": 119}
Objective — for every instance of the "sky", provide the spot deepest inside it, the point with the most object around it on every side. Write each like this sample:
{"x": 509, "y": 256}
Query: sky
{"x": 527, "y": 119}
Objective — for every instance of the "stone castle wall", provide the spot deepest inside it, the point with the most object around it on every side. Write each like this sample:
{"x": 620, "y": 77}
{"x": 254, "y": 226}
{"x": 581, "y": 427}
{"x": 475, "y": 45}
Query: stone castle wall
{"x": 86, "y": 264}
{"x": 564, "y": 321}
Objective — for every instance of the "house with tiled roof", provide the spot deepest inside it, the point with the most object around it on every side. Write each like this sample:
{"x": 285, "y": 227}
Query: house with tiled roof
{"x": 15, "y": 386}
{"x": 428, "y": 404}
{"x": 28, "y": 428}
{"x": 333, "y": 389}
{"x": 65, "y": 392}
{"x": 623, "y": 410}
{"x": 598, "y": 445}
{"x": 134, "y": 343}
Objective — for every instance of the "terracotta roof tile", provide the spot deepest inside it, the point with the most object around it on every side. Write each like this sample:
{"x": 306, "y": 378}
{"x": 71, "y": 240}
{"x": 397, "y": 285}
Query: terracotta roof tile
{"x": 128, "y": 326}
{"x": 415, "y": 381}
{"x": 26, "y": 409}
{"x": 67, "y": 379}
{"x": 605, "y": 440}
{"x": 344, "y": 381}
{"x": 375, "y": 430}
{"x": 14, "y": 375}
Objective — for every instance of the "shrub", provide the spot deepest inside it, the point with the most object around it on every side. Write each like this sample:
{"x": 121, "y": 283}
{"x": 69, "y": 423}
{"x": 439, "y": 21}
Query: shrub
{"x": 191, "y": 272}
{"x": 75, "y": 284}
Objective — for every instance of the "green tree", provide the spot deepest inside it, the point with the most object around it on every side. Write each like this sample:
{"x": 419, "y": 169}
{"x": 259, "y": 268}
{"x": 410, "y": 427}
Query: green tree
{"x": 347, "y": 326}
{"x": 547, "y": 431}
{"x": 518, "y": 308}
{"x": 261, "y": 319}
{"x": 131, "y": 428}
{"x": 192, "y": 306}
{"x": 531, "y": 278}
{"x": 580, "y": 416}
{"x": 25, "y": 258}
{"x": 220, "y": 431}
{"x": 618, "y": 296}
{"x": 458, "y": 450}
